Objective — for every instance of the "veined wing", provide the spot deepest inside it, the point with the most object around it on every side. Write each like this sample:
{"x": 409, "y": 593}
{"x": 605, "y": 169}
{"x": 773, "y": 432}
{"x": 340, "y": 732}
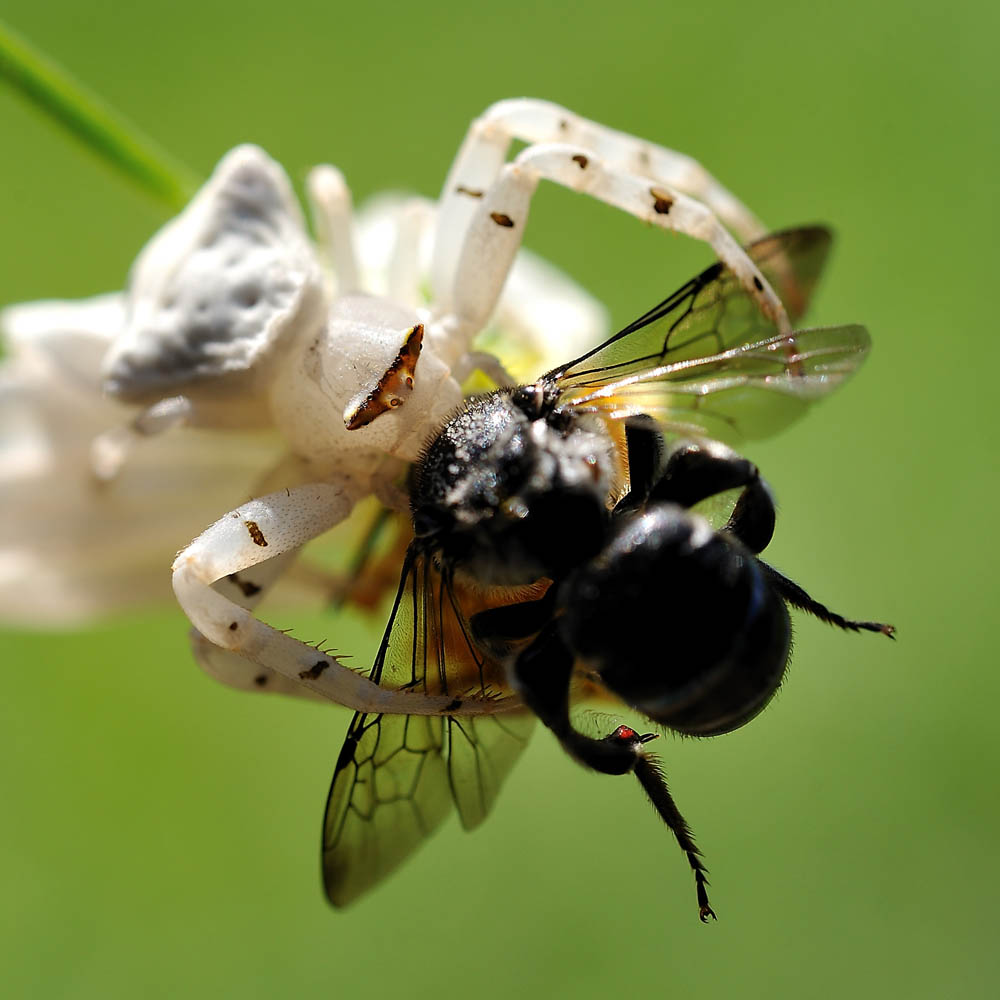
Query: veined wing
{"x": 752, "y": 391}
{"x": 706, "y": 361}
{"x": 397, "y": 777}
{"x": 709, "y": 315}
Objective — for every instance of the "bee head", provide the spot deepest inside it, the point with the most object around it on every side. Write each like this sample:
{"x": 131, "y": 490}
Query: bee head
{"x": 512, "y": 490}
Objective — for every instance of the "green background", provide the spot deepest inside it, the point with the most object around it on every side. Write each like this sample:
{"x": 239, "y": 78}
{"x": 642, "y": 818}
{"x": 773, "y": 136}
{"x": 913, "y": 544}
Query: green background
{"x": 159, "y": 833}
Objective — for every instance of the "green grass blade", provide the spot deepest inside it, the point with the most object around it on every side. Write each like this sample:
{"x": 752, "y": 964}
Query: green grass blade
{"x": 101, "y": 130}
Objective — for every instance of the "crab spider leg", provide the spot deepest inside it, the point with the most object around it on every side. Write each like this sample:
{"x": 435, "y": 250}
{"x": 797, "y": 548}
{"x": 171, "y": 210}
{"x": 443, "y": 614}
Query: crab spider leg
{"x": 330, "y": 200}
{"x": 489, "y": 365}
{"x": 263, "y": 529}
{"x": 109, "y": 450}
{"x": 405, "y": 279}
{"x": 534, "y": 122}
{"x": 485, "y": 147}
{"x": 247, "y": 590}
{"x": 498, "y": 221}
{"x": 235, "y": 671}
{"x": 385, "y": 485}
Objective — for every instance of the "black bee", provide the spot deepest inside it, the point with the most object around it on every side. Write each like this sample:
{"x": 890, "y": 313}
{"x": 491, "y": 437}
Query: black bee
{"x": 556, "y": 557}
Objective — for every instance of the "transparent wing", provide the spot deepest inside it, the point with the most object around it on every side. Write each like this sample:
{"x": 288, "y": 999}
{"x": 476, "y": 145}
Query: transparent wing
{"x": 749, "y": 392}
{"x": 389, "y": 792}
{"x": 707, "y": 361}
{"x": 397, "y": 777}
{"x": 481, "y": 750}
{"x": 710, "y": 314}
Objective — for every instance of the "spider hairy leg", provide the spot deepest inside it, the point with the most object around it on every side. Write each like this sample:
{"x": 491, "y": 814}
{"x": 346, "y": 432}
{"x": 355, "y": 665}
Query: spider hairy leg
{"x": 247, "y": 590}
{"x": 330, "y": 201}
{"x": 498, "y": 222}
{"x": 488, "y": 140}
{"x": 536, "y": 121}
{"x": 263, "y": 529}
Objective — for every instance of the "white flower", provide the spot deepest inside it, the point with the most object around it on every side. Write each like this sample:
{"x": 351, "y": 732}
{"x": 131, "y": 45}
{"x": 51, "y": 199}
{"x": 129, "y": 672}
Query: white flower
{"x": 80, "y": 540}
{"x": 71, "y": 546}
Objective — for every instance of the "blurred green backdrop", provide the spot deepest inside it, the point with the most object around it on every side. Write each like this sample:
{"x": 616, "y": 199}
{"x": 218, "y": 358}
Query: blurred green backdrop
{"x": 160, "y": 832}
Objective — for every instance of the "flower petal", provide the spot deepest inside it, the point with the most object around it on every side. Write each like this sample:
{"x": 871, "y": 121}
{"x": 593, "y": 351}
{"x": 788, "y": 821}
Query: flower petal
{"x": 71, "y": 547}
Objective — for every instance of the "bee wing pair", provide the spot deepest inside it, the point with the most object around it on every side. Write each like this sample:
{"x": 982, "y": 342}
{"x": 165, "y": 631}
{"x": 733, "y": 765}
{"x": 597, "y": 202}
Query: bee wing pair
{"x": 704, "y": 362}
{"x": 398, "y": 776}
{"x": 707, "y": 363}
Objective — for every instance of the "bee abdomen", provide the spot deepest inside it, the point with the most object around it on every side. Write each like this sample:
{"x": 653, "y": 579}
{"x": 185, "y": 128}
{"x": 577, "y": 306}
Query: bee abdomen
{"x": 679, "y": 621}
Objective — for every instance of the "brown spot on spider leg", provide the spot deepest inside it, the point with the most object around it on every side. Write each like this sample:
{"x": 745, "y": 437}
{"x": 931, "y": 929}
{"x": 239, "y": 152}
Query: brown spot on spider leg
{"x": 470, "y": 192}
{"x": 393, "y": 386}
{"x": 260, "y": 680}
{"x": 581, "y": 161}
{"x": 248, "y": 588}
{"x": 758, "y": 284}
{"x": 662, "y": 201}
{"x": 502, "y": 220}
{"x": 454, "y": 705}
{"x": 233, "y": 626}
{"x": 256, "y": 535}
{"x": 314, "y": 671}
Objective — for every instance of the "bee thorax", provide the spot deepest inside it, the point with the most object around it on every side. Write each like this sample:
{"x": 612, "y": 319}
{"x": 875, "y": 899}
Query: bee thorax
{"x": 515, "y": 496}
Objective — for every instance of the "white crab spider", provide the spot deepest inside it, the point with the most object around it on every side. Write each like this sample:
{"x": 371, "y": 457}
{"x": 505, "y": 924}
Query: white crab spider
{"x": 231, "y": 321}
{"x": 75, "y": 547}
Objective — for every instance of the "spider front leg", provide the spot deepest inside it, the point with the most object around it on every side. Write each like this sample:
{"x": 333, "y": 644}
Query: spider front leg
{"x": 486, "y": 145}
{"x": 330, "y": 201}
{"x": 467, "y": 294}
{"x": 248, "y": 589}
{"x": 269, "y": 527}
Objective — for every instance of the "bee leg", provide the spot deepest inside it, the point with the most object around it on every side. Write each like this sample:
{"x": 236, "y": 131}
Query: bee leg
{"x": 644, "y": 449}
{"x": 698, "y": 470}
{"x": 752, "y": 519}
{"x": 649, "y": 771}
{"x": 542, "y": 675}
{"x": 496, "y": 628}
{"x": 793, "y": 594}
